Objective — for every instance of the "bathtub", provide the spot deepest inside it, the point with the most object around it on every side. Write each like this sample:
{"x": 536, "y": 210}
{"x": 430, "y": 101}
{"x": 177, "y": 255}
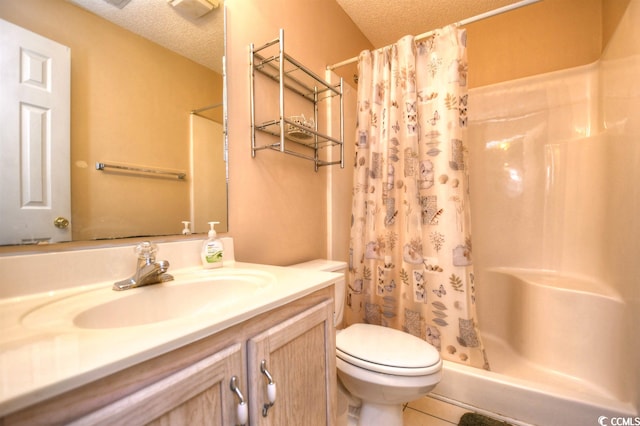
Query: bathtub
{"x": 575, "y": 376}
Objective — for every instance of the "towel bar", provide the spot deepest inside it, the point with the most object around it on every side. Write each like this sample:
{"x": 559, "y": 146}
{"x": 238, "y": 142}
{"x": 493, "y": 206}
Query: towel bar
{"x": 140, "y": 169}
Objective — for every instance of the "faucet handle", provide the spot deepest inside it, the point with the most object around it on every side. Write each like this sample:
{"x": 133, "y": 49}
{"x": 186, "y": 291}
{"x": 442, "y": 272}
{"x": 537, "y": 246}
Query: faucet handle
{"x": 146, "y": 250}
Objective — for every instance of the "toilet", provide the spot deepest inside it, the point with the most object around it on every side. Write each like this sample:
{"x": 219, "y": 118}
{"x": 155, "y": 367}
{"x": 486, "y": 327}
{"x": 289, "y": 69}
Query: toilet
{"x": 381, "y": 367}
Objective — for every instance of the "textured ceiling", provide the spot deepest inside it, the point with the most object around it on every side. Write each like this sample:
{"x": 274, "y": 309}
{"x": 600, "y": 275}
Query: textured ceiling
{"x": 385, "y": 22}
{"x": 199, "y": 39}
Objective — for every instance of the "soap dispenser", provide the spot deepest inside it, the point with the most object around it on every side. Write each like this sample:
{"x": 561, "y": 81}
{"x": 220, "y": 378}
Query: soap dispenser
{"x": 212, "y": 249}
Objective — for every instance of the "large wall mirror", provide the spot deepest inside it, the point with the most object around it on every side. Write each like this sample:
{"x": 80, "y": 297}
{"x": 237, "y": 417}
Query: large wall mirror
{"x": 147, "y": 92}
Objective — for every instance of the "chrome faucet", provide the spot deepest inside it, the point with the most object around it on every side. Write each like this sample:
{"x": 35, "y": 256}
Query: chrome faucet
{"x": 148, "y": 271}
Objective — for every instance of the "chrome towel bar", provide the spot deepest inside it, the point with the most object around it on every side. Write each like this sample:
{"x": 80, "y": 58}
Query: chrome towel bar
{"x": 141, "y": 169}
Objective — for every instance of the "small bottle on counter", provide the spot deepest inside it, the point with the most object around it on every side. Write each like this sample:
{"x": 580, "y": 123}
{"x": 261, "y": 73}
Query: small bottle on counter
{"x": 212, "y": 249}
{"x": 187, "y": 229}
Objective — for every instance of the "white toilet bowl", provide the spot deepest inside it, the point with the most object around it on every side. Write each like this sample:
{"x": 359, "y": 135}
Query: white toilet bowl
{"x": 383, "y": 367}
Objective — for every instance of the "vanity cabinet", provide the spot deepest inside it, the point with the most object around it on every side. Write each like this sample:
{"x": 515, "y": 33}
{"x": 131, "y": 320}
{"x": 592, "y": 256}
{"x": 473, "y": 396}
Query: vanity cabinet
{"x": 300, "y": 358}
{"x": 191, "y": 385}
{"x": 196, "y": 395}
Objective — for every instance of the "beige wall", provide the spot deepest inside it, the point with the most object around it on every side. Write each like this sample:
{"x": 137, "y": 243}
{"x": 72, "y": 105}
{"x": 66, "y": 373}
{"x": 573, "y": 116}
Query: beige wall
{"x": 612, "y": 13}
{"x": 539, "y": 38}
{"x": 547, "y": 36}
{"x": 277, "y": 203}
{"x": 130, "y": 103}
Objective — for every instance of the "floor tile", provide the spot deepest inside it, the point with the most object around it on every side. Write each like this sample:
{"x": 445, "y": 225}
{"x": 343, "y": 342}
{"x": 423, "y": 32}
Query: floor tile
{"x": 412, "y": 417}
{"x": 438, "y": 409}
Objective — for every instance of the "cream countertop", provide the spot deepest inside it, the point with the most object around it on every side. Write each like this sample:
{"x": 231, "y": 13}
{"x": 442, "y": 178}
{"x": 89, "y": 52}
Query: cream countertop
{"x": 39, "y": 362}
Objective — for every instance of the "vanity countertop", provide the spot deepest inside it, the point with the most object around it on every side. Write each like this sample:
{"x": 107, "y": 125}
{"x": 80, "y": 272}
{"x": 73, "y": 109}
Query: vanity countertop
{"x": 39, "y": 362}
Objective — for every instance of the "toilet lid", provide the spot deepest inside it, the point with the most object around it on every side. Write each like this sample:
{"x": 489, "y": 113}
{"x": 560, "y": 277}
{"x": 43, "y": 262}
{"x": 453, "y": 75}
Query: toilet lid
{"x": 386, "y": 350}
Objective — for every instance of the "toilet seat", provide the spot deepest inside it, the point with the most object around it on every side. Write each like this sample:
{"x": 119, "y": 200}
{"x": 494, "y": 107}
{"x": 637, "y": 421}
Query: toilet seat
{"x": 386, "y": 350}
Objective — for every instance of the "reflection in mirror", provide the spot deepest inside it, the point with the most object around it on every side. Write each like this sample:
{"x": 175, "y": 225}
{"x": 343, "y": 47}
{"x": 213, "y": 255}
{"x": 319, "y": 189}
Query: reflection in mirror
{"x": 131, "y": 103}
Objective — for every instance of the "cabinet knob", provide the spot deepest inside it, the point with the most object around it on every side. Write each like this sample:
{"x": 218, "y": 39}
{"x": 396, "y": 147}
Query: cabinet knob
{"x": 271, "y": 388}
{"x": 242, "y": 410}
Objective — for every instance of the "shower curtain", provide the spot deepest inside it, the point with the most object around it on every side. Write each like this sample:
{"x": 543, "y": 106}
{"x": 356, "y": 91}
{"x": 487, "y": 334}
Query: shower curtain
{"x": 410, "y": 255}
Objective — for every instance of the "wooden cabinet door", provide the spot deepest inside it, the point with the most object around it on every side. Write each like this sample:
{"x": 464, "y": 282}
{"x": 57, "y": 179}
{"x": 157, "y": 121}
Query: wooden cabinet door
{"x": 197, "y": 395}
{"x": 300, "y": 356}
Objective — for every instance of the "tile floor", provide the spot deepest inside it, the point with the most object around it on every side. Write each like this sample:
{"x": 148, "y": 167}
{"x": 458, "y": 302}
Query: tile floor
{"x": 429, "y": 411}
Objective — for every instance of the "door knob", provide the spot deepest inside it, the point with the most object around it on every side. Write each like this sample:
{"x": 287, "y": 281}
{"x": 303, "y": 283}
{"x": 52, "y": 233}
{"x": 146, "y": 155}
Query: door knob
{"x": 61, "y": 222}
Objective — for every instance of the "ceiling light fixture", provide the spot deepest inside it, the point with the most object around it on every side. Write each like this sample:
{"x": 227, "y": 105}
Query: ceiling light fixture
{"x": 194, "y": 8}
{"x": 118, "y": 3}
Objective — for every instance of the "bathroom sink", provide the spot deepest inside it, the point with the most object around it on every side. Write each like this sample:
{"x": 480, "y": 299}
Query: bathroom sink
{"x": 194, "y": 294}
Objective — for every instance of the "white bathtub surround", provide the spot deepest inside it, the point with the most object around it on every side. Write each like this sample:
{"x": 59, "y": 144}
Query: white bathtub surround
{"x": 555, "y": 166}
{"x": 558, "y": 390}
{"x": 523, "y": 401}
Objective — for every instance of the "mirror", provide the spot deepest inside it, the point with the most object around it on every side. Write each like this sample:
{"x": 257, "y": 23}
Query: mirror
{"x": 137, "y": 102}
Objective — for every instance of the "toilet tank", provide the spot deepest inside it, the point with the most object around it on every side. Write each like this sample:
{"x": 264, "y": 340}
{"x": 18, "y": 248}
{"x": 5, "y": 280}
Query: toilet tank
{"x": 339, "y": 285}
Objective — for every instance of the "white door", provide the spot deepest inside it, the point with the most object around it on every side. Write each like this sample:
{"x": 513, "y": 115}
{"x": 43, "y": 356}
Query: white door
{"x": 35, "y": 80}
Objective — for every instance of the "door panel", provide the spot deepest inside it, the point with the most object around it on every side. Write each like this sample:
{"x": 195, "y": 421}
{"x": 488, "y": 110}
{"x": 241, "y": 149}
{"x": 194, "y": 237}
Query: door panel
{"x": 300, "y": 356}
{"x": 35, "y": 81}
{"x": 197, "y": 395}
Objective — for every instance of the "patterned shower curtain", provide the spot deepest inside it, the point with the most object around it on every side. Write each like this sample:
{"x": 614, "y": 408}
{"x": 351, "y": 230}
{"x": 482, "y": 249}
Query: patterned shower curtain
{"x": 410, "y": 255}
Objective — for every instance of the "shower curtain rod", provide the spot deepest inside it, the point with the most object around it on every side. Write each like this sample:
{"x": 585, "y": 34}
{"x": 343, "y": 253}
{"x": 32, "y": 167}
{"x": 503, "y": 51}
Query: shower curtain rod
{"x": 464, "y": 22}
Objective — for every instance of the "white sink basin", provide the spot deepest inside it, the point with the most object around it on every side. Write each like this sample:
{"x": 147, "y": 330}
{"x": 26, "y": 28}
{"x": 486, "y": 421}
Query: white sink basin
{"x": 196, "y": 293}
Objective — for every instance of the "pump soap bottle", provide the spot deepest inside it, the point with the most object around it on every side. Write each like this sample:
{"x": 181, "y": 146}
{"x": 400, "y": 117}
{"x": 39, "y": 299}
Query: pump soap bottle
{"x": 212, "y": 249}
